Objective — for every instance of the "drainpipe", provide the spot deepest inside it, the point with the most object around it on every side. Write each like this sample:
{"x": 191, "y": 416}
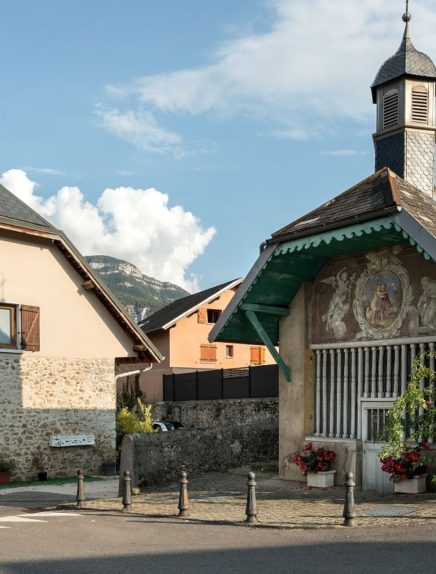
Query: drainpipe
{"x": 137, "y": 372}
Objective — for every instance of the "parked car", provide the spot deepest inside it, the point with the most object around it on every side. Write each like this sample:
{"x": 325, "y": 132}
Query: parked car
{"x": 165, "y": 426}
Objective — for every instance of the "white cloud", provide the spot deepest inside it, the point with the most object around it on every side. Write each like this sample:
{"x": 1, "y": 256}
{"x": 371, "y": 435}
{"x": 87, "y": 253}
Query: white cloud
{"x": 312, "y": 68}
{"x": 141, "y": 129}
{"x": 137, "y": 225}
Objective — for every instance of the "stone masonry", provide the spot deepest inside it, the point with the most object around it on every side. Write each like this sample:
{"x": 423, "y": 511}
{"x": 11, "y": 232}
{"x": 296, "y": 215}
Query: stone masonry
{"x": 207, "y": 414}
{"x": 42, "y": 397}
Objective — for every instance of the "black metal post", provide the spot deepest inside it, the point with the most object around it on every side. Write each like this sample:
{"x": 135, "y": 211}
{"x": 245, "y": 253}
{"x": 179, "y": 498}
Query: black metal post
{"x": 196, "y": 386}
{"x": 80, "y": 496}
{"x": 183, "y": 496}
{"x": 127, "y": 492}
{"x": 174, "y": 387}
{"x": 251, "y": 509}
{"x": 349, "y": 507}
{"x": 222, "y": 383}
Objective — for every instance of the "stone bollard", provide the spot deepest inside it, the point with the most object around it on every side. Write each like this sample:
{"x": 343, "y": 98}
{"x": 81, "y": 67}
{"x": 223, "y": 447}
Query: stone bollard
{"x": 251, "y": 509}
{"x": 127, "y": 492}
{"x": 80, "y": 496}
{"x": 349, "y": 513}
{"x": 183, "y": 496}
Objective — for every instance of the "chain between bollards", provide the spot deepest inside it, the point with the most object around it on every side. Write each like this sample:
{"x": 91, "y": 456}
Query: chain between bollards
{"x": 80, "y": 496}
{"x": 127, "y": 492}
{"x": 349, "y": 507}
{"x": 251, "y": 509}
{"x": 183, "y": 496}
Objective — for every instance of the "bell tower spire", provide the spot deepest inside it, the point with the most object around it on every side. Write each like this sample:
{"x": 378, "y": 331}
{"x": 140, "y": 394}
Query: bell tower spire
{"x": 404, "y": 91}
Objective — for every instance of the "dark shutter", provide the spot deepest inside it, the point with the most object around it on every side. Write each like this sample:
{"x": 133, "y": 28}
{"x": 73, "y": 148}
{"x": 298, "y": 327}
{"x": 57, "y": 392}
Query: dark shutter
{"x": 30, "y": 328}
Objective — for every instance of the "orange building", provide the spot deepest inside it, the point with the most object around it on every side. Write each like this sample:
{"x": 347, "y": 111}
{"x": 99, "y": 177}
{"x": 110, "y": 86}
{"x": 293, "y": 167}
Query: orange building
{"x": 180, "y": 331}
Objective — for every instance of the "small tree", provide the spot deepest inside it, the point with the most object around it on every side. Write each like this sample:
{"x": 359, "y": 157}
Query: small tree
{"x": 137, "y": 419}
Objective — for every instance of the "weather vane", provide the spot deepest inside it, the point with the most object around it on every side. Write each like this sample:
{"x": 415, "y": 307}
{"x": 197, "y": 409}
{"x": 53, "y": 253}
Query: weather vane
{"x": 407, "y": 16}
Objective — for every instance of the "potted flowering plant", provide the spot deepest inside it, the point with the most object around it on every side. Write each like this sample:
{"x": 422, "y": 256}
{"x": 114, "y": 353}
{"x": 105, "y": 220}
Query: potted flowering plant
{"x": 316, "y": 465}
{"x": 6, "y": 468}
{"x": 411, "y": 422}
{"x": 408, "y": 469}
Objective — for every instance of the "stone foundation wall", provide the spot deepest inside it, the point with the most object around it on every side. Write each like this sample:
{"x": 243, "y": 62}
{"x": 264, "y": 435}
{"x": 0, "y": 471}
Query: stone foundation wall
{"x": 158, "y": 457}
{"x": 42, "y": 397}
{"x": 207, "y": 414}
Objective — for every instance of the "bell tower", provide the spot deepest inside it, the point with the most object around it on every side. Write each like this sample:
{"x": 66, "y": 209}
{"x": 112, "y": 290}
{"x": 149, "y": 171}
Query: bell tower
{"x": 404, "y": 92}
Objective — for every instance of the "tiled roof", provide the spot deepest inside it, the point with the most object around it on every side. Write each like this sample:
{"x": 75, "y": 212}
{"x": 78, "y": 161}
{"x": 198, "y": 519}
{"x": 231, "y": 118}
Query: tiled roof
{"x": 406, "y": 61}
{"x": 182, "y": 307}
{"x": 13, "y": 208}
{"x": 380, "y": 193}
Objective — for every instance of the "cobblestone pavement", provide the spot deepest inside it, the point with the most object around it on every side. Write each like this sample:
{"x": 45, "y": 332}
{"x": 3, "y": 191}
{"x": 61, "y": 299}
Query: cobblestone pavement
{"x": 221, "y": 497}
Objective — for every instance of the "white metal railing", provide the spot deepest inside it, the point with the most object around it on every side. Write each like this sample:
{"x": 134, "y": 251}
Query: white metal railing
{"x": 346, "y": 373}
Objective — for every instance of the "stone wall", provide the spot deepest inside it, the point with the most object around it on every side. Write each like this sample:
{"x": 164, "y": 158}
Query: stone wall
{"x": 207, "y": 414}
{"x": 158, "y": 457}
{"x": 42, "y": 397}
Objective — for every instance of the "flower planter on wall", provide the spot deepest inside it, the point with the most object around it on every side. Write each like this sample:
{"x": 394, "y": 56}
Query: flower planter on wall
{"x": 415, "y": 485}
{"x": 321, "y": 479}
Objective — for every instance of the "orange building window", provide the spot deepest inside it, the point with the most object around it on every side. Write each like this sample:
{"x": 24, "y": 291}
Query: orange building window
{"x": 207, "y": 352}
{"x": 257, "y": 355}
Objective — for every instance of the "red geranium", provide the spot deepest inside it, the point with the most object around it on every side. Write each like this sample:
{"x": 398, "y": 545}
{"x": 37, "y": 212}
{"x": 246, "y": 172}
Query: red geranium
{"x": 409, "y": 464}
{"x": 314, "y": 460}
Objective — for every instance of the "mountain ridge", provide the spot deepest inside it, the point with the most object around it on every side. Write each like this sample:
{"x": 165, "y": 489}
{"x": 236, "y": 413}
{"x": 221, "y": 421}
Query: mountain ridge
{"x": 140, "y": 294}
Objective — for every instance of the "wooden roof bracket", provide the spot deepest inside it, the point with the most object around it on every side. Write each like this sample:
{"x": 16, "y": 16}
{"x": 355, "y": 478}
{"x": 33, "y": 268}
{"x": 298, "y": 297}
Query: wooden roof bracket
{"x": 257, "y": 326}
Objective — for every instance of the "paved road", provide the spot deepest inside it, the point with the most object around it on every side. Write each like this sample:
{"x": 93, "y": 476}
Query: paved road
{"x": 87, "y": 543}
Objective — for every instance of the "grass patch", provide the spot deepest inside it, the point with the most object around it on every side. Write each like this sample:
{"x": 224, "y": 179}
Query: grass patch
{"x": 57, "y": 481}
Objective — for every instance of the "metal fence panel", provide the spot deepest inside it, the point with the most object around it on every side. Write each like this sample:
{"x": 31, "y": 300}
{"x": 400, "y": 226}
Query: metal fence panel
{"x": 243, "y": 383}
{"x": 264, "y": 381}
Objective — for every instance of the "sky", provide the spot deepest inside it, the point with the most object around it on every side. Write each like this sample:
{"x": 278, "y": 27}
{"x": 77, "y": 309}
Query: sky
{"x": 179, "y": 135}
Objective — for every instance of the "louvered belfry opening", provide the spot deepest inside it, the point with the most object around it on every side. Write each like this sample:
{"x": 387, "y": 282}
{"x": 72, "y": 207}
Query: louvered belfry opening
{"x": 420, "y": 105}
{"x": 391, "y": 109}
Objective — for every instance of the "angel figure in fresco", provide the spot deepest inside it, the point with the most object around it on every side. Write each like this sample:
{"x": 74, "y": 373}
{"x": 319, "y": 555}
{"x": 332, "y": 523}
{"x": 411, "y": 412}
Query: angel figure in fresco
{"x": 427, "y": 303}
{"x": 339, "y": 303}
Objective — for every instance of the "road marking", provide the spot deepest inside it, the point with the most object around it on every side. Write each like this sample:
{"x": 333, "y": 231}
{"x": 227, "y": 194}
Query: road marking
{"x": 19, "y": 519}
{"x": 52, "y": 514}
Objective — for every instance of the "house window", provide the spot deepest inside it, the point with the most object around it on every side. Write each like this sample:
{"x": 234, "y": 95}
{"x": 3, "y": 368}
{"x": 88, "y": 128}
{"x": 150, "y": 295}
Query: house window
{"x": 208, "y": 353}
{"x": 391, "y": 109}
{"x": 8, "y": 326}
{"x": 213, "y": 315}
{"x": 230, "y": 351}
{"x": 257, "y": 355}
{"x": 28, "y": 321}
{"x": 420, "y": 105}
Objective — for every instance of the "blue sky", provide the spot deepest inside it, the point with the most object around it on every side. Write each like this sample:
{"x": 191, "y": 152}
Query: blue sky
{"x": 243, "y": 113}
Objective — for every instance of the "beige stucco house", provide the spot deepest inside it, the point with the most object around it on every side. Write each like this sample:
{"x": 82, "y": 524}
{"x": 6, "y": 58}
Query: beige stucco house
{"x": 348, "y": 291}
{"x": 62, "y": 337}
{"x": 180, "y": 330}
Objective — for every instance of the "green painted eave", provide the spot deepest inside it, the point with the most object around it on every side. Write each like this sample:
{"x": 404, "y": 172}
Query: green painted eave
{"x": 294, "y": 262}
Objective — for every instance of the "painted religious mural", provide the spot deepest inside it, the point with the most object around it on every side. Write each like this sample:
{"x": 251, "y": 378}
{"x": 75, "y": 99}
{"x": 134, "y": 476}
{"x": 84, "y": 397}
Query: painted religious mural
{"x": 381, "y": 295}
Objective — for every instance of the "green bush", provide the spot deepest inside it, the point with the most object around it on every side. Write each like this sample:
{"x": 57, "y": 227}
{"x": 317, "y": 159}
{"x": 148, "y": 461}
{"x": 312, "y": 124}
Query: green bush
{"x": 136, "y": 420}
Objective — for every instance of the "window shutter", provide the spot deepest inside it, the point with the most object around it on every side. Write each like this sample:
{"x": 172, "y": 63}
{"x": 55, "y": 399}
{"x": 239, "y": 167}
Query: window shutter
{"x": 207, "y": 353}
{"x": 30, "y": 328}
{"x": 202, "y": 315}
{"x": 262, "y": 354}
{"x": 254, "y": 355}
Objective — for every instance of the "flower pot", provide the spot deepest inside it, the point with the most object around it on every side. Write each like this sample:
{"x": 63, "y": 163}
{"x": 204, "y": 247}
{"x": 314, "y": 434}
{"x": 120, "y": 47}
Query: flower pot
{"x": 415, "y": 485}
{"x": 5, "y": 477}
{"x": 324, "y": 479}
